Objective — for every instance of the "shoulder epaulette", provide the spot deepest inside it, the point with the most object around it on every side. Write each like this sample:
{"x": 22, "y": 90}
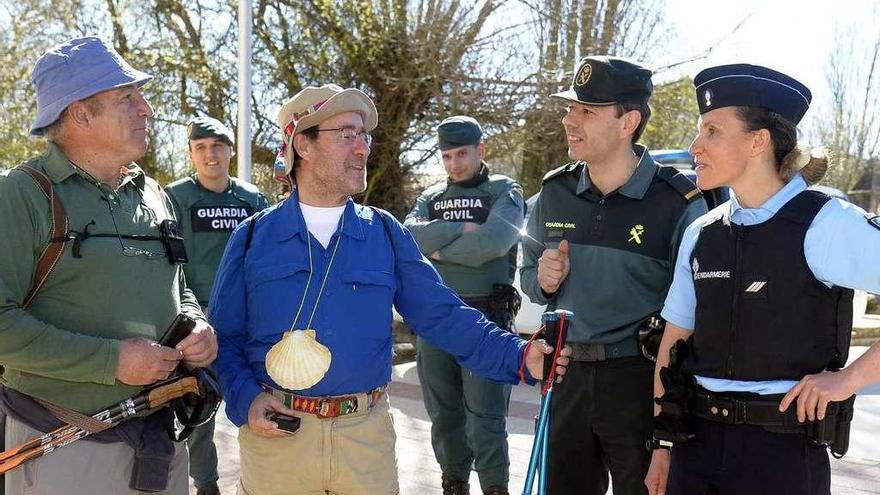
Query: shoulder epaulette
{"x": 565, "y": 169}
{"x": 679, "y": 182}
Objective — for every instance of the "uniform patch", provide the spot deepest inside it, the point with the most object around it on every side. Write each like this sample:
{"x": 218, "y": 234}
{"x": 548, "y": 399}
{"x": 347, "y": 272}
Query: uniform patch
{"x": 707, "y": 97}
{"x": 874, "y": 221}
{"x": 218, "y": 218}
{"x": 635, "y": 233}
{"x": 460, "y": 209}
{"x": 698, "y": 275}
{"x": 756, "y": 289}
{"x": 559, "y": 225}
{"x": 755, "y": 286}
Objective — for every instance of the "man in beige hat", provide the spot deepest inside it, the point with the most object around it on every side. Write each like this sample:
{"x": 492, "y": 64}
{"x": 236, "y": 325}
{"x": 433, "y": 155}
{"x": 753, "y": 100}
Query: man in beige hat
{"x": 319, "y": 261}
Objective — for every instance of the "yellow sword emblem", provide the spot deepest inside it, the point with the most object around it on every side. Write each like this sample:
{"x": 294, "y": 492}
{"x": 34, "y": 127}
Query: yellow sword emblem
{"x": 635, "y": 233}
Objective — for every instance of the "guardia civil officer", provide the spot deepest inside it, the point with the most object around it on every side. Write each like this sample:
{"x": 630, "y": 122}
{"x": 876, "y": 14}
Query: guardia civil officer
{"x": 468, "y": 225}
{"x": 209, "y": 205}
{"x": 606, "y": 228}
{"x": 762, "y": 292}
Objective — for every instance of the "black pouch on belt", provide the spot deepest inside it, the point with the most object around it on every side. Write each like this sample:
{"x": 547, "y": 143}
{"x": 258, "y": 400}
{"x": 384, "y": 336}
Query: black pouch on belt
{"x": 833, "y": 430}
{"x": 505, "y": 304}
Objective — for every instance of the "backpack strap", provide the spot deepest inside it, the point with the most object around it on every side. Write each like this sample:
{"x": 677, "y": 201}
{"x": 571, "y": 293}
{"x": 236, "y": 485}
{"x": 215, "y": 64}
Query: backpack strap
{"x": 378, "y": 212}
{"x": 57, "y": 234}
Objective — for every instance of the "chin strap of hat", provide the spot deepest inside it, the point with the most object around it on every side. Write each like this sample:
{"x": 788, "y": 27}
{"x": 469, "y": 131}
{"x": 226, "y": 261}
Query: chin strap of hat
{"x": 194, "y": 410}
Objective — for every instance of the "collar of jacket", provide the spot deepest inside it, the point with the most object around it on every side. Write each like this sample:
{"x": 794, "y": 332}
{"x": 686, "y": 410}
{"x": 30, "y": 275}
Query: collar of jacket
{"x": 478, "y": 178}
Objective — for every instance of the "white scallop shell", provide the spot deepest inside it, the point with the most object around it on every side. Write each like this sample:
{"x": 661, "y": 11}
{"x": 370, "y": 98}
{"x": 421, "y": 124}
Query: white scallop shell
{"x": 298, "y": 361}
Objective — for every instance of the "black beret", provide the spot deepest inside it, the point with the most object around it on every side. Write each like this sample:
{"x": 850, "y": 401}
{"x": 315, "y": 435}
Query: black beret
{"x": 745, "y": 85}
{"x": 604, "y": 80}
{"x": 207, "y": 127}
{"x": 457, "y": 131}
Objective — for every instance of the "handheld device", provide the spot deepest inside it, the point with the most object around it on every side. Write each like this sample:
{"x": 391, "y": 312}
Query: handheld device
{"x": 173, "y": 241}
{"x": 178, "y": 330}
{"x": 284, "y": 422}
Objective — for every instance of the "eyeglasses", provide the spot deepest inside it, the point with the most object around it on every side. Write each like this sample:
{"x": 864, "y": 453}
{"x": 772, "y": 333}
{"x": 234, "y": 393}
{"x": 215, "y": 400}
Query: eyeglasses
{"x": 349, "y": 135}
{"x": 127, "y": 250}
{"x": 132, "y": 251}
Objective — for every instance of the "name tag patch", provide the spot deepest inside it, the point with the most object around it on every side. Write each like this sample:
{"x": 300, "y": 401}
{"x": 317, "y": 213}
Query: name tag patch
{"x": 218, "y": 218}
{"x": 468, "y": 209}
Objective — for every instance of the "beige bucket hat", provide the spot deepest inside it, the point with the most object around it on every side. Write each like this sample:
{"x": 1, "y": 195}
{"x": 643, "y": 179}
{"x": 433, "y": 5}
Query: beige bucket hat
{"x": 315, "y": 104}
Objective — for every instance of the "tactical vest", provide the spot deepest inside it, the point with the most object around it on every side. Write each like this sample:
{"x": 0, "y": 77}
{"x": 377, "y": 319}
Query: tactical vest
{"x": 472, "y": 202}
{"x": 206, "y": 221}
{"x": 761, "y": 314}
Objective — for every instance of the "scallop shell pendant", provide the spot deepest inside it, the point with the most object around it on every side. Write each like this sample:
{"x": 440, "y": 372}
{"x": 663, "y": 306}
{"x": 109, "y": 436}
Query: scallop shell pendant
{"x": 298, "y": 361}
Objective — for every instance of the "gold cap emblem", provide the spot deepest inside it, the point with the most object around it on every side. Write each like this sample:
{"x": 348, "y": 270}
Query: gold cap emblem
{"x": 584, "y": 75}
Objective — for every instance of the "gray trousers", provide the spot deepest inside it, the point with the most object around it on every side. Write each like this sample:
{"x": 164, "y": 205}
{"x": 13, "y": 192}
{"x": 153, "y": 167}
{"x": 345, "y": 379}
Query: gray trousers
{"x": 84, "y": 468}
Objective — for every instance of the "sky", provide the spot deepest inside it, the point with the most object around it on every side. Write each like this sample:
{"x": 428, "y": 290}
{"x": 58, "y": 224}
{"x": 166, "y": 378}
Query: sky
{"x": 794, "y": 37}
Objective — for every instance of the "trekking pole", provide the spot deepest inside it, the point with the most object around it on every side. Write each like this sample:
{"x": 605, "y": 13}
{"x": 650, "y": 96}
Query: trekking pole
{"x": 108, "y": 415}
{"x": 554, "y": 329}
{"x": 149, "y": 398}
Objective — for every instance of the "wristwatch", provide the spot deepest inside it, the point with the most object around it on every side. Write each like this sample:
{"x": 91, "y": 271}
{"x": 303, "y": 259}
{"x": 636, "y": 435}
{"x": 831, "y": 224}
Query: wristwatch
{"x": 654, "y": 444}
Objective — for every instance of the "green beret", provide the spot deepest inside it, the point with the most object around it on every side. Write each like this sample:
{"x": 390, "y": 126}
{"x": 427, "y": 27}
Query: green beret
{"x": 457, "y": 131}
{"x": 207, "y": 127}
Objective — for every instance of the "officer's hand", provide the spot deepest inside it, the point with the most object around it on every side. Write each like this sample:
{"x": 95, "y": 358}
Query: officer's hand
{"x": 263, "y": 405}
{"x": 814, "y": 392}
{"x": 553, "y": 267}
{"x": 199, "y": 348}
{"x": 469, "y": 227}
{"x": 142, "y": 361}
{"x": 535, "y": 359}
{"x": 658, "y": 473}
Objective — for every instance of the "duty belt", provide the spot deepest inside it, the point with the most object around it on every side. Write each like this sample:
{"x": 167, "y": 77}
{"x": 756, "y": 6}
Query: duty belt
{"x": 603, "y": 352}
{"x": 328, "y": 406}
{"x": 734, "y": 411}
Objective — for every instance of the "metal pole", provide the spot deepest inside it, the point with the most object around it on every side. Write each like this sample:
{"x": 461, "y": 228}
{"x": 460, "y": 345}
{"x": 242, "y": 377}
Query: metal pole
{"x": 245, "y": 28}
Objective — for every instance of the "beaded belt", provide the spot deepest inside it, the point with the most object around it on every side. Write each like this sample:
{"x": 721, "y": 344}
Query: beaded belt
{"x": 326, "y": 407}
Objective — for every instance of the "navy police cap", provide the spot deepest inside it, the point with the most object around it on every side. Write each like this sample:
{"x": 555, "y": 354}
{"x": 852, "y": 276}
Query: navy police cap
{"x": 458, "y": 131}
{"x": 745, "y": 85}
{"x": 208, "y": 127}
{"x": 605, "y": 80}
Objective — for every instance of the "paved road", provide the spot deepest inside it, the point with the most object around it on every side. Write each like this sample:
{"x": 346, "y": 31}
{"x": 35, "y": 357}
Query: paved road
{"x": 857, "y": 474}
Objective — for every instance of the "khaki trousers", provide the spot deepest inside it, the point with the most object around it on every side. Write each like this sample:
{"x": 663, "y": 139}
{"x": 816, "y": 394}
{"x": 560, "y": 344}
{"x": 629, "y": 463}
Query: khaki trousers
{"x": 348, "y": 455}
{"x": 84, "y": 468}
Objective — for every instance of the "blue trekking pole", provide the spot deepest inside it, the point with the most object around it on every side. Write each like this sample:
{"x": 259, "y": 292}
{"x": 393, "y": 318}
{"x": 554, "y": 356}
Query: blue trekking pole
{"x": 553, "y": 329}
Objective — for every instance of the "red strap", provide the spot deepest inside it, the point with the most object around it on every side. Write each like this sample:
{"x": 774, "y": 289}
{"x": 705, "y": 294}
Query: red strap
{"x": 522, "y": 365}
{"x": 560, "y": 340}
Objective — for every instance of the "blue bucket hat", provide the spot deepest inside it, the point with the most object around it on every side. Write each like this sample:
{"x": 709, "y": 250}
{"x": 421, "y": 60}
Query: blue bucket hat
{"x": 75, "y": 70}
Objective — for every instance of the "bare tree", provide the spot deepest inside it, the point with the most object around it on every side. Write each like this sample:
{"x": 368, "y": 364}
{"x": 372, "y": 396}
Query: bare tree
{"x": 567, "y": 30}
{"x": 850, "y": 126}
{"x": 420, "y": 60}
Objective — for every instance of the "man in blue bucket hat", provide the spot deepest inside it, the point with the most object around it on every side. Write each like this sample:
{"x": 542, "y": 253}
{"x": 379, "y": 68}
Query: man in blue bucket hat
{"x": 84, "y": 338}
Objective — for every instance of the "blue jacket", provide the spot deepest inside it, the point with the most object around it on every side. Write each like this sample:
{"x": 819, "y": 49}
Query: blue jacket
{"x": 258, "y": 290}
